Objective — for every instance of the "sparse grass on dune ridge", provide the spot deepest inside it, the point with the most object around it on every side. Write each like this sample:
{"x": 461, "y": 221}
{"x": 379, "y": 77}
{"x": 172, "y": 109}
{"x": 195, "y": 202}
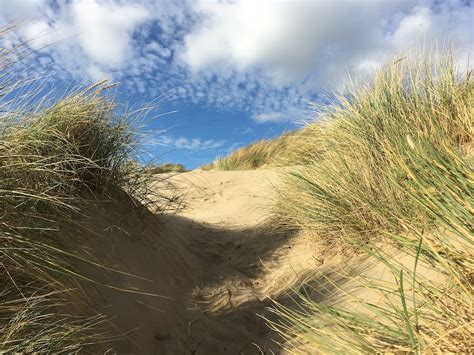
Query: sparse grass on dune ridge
{"x": 50, "y": 156}
{"x": 265, "y": 152}
{"x": 291, "y": 148}
{"x": 392, "y": 178}
{"x": 165, "y": 168}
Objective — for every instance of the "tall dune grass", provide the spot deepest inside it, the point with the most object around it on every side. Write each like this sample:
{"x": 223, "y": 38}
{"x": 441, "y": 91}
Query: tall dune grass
{"x": 291, "y": 148}
{"x": 51, "y": 156}
{"x": 392, "y": 178}
{"x": 265, "y": 152}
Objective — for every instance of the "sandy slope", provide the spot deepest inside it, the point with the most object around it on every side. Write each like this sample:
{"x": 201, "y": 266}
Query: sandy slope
{"x": 227, "y": 198}
{"x": 214, "y": 263}
{"x": 197, "y": 280}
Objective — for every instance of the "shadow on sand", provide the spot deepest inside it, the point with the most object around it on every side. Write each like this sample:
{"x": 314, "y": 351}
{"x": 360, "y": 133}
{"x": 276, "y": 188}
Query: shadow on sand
{"x": 196, "y": 288}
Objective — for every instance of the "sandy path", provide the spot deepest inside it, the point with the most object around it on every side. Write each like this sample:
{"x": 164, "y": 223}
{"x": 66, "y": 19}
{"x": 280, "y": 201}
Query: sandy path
{"x": 215, "y": 262}
{"x": 207, "y": 271}
{"x": 227, "y": 198}
{"x": 244, "y": 260}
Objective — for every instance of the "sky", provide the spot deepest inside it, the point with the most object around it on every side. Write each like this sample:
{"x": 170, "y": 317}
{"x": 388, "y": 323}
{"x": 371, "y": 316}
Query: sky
{"x": 222, "y": 74}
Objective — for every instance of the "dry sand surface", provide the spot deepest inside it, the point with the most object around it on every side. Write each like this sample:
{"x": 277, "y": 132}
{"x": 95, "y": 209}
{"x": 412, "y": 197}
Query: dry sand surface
{"x": 208, "y": 269}
{"x": 199, "y": 279}
{"x": 227, "y": 198}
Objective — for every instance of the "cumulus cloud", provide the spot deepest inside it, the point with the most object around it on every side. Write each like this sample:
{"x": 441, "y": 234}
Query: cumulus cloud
{"x": 448, "y": 23}
{"x": 317, "y": 42}
{"x": 288, "y": 40}
{"x": 104, "y": 29}
{"x": 83, "y": 35}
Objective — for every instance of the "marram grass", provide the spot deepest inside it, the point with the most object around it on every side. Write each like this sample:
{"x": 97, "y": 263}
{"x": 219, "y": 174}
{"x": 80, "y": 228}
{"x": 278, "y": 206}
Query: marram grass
{"x": 51, "y": 155}
{"x": 262, "y": 153}
{"x": 393, "y": 178}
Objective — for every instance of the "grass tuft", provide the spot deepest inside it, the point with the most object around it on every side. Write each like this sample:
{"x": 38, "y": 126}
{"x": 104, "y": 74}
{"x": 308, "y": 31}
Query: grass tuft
{"x": 51, "y": 156}
{"x": 166, "y": 168}
{"x": 391, "y": 176}
{"x": 262, "y": 153}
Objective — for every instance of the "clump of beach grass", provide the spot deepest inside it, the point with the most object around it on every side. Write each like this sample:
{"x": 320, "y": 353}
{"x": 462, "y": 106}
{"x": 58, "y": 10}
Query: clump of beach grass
{"x": 392, "y": 178}
{"x": 165, "y": 168}
{"x": 262, "y": 153}
{"x": 52, "y": 154}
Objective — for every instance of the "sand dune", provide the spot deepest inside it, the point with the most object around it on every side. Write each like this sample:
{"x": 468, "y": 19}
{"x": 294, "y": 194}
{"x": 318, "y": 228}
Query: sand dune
{"x": 227, "y": 198}
{"x": 213, "y": 265}
{"x": 200, "y": 278}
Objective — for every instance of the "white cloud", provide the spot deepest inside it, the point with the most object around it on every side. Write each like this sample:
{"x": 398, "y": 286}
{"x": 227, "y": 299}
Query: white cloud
{"x": 85, "y": 35}
{"x": 37, "y": 30}
{"x": 21, "y": 10}
{"x": 194, "y": 144}
{"x": 318, "y": 42}
{"x": 271, "y": 117}
{"x": 104, "y": 29}
{"x": 261, "y": 58}
{"x": 413, "y": 27}
{"x": 287, "y": 40}
{"x": 450, "y": 23}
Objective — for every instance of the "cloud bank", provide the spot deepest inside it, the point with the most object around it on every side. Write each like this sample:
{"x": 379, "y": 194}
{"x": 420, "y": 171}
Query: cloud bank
{"x": 293, "y": 42}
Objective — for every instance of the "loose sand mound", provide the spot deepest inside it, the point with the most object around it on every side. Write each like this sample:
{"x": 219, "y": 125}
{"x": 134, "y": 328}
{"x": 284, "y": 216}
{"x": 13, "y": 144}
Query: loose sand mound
{"x": 209, "y": 268}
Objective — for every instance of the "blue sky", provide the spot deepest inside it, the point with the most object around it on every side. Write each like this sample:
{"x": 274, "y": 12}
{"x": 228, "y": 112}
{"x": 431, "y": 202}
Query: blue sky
{"x": 227, "y": 73}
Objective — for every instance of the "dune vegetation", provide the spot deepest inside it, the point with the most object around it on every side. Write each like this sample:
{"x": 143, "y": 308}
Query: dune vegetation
{"x": 262, "y": 153}
{"x": 392, "y": 179}
{"x": 385, "y": 172}
{"x": 54, "y": 158}
{"x": 165, "y": 168}
{"x": 384, "y": 179}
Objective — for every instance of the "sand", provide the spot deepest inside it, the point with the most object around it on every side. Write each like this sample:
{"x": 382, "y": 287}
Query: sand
{"x": 207, "y": 269}
{"x": 198, "y": 278}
